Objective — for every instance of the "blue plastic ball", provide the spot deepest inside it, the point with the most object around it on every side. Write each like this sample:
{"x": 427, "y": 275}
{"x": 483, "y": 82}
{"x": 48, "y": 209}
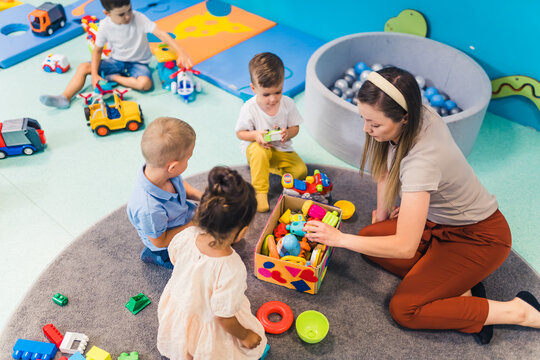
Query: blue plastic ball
{"x": 430, "y": 91}
{"x": 436, "y": 100}
{"x": 444, "y": 95}
{"x": 359, "y": 67}
{"x": 449, "y": 104}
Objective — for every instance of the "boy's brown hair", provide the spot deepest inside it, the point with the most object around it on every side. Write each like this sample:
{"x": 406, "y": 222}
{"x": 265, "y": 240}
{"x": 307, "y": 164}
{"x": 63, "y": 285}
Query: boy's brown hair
{"x": 114, "y": 4}
{"x": 266, "y": 70}
{"x": 166, "y": 139}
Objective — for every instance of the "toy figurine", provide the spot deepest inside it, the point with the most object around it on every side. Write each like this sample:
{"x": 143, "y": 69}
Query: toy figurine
{"x": 185, "y": 85}
{"x": 316, "y": 187}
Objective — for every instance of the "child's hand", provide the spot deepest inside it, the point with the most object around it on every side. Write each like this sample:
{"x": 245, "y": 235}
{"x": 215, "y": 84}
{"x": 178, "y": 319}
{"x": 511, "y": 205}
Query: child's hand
{"x": 184, "y": 60}
{"x": 252, "y": 340}
{"x": 95, "y": 79}
{"x": 259, "y": 137}
{"x": 285, "y": 135}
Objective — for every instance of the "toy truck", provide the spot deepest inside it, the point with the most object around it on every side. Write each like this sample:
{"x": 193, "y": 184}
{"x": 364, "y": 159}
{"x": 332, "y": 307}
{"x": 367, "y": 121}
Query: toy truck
{"x": 20, "y": 136}
{"x": 47, "y": 18}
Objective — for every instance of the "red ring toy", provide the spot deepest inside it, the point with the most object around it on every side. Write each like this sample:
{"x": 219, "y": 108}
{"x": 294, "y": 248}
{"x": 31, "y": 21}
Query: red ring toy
{"x": 275, "y": 307}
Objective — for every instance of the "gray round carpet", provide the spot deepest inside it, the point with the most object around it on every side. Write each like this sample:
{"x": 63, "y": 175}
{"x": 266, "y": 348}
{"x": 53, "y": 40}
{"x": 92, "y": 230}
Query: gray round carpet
{"x": 101, "y": 270}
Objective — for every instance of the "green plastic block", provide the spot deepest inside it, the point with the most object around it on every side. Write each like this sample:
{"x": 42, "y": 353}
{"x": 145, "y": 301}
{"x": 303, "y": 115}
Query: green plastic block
{"x": 137, "y": 303}
{"x": 60, "y": 299}
{"x": 131, "y": 356}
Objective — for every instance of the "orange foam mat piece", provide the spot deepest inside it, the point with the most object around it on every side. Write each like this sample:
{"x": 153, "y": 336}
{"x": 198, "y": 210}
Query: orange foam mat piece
{"x": 204, "y": 35}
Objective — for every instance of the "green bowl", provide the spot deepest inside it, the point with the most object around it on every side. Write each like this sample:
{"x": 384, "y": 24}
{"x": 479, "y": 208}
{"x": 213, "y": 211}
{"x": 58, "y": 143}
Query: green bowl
{"x": 312, "y": 326}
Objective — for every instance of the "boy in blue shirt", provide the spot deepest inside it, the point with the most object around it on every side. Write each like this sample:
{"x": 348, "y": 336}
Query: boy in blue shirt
{"x": 158, "y": 207}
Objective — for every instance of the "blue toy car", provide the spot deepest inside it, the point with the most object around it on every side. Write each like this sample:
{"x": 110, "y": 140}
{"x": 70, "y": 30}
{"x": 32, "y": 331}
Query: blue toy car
{"x": 20, "y": 136}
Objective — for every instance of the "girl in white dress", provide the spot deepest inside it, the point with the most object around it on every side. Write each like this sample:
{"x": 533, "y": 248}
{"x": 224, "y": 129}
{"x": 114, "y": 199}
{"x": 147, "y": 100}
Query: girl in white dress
{"x": 203, "y": 311}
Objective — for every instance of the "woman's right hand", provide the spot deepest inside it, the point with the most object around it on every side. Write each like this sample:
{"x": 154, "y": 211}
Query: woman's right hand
{"x": 252, "y": 340}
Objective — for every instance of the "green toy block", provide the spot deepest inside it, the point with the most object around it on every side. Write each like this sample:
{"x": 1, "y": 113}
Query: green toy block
{"x": 131, "y": 356}
{"x": 60, "y": 299}
{"x": 137, "y": 303}
{"x": 272, "y": 135}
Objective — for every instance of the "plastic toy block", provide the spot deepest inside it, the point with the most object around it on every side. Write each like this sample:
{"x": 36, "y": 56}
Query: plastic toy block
{"x": 29, "y": 349}
{"x": 96, "y": 353}
{"x": 131, "y": 356}
{"x": 77, "y": 356}
{"x": 52, "y": 333}
{"x": 60, "y": 299}
{"x": 63, "y": 358}
{"x": 69, "y": 338}
{"x": 137, "y": 303}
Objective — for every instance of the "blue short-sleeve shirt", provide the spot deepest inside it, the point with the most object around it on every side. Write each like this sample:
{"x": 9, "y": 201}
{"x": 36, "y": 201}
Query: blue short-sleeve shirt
{"x": 152, "y": 210}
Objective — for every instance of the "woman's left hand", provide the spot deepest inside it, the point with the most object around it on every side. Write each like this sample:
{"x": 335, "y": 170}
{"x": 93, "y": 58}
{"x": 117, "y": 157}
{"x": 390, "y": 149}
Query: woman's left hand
{"x": 322, "y": 233}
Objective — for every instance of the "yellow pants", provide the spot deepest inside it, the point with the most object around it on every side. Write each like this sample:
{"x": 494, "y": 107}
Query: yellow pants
{"x": 263, "y": 161}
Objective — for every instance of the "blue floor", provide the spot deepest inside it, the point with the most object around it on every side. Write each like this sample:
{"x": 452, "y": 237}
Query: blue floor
{"x": 50, "y": 198}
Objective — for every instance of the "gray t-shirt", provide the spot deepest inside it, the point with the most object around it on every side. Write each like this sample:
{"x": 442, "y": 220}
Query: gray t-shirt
{"x": 436, "y": 164}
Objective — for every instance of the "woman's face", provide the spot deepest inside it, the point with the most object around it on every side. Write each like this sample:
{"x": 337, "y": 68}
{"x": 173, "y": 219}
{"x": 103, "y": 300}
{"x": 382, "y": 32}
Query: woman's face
{"x": 378, "y": 126}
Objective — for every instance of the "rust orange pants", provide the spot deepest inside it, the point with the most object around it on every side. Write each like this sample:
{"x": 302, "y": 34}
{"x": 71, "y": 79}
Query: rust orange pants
{"x": 449, "y": 261}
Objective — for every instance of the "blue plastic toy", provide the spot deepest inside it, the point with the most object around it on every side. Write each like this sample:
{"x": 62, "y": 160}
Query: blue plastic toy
{"x": 360, "y": 67}
{"x": 297, "y": 228}
{"x": 29, "y": 349}
{"x": 430, "y": 91}
{"x": 291, "y": 246}
{"x": 437, "y": 100}
{"x": 77, "y": 356}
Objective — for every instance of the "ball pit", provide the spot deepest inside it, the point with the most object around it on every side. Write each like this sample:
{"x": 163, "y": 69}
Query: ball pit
{"x": 335, "y": 122}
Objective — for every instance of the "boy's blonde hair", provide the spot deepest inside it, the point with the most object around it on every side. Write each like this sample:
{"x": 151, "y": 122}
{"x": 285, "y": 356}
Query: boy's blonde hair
{"x": 166, "y": 139}
{"x": 266, "y": 70}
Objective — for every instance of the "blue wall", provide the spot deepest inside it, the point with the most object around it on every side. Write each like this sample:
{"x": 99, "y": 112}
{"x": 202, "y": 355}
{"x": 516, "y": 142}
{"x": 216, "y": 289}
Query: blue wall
{"x": 505, "y": 34}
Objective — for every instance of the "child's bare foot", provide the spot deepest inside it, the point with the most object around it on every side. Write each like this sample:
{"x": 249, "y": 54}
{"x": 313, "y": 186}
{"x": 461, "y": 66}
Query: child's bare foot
{"x": 262, "y": 202}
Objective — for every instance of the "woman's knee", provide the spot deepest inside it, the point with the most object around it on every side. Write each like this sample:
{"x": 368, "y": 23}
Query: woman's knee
{"x": 383, "y": 228}
{"x": 403, "y": 311}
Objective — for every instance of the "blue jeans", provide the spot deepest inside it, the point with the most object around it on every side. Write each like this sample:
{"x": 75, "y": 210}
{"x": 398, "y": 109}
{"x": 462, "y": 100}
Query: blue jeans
{"x": 124, "y": 68}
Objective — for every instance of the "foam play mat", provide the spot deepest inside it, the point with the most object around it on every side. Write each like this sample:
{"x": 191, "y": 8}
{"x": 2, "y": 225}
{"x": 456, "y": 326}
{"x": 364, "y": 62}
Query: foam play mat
{"x": 18, "y": 43}
{"x": 204, "y": 35}
{"x": 229, "y": 69}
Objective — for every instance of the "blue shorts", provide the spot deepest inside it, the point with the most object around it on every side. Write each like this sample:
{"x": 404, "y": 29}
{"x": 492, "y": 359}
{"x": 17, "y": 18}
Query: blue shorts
{"x": 124, "y": 68}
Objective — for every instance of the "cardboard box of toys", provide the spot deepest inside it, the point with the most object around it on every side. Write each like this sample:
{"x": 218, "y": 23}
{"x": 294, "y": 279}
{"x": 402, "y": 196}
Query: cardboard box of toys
{"x": 278, "y": 261}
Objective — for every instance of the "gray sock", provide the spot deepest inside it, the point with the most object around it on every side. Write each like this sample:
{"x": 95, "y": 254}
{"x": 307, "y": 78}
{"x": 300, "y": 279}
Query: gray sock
{"x": 57, "y": 101}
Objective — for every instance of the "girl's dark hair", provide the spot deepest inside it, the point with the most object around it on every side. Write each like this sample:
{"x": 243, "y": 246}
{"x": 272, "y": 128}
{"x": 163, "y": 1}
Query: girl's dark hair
{"x": 113, "y": 4}
{"x": 228, "y": 204}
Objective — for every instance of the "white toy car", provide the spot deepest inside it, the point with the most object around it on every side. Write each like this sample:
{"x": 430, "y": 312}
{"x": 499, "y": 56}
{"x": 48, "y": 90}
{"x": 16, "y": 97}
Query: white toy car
{"x": 57, "y": 63}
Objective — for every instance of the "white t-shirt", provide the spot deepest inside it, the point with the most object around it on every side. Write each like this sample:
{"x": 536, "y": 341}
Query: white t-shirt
{"x": 252, "y": 117}
{"x": 437, "y": 165}
{"x": 128, "y": 42}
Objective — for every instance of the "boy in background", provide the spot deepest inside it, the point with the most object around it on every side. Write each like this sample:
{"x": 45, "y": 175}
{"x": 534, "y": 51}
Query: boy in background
{"x": 125, "y": 30}
{"x": 158, "y": 207}
{"x": 269, "y": 110}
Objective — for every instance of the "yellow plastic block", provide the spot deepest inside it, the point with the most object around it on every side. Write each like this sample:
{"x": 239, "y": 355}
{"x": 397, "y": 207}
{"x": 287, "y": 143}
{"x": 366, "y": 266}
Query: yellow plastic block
{"x": 96, "y": 353}
{"x": 286, "y": 217}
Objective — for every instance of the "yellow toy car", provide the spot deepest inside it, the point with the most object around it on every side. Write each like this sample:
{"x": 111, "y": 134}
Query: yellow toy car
{"x": 102, "y": 118}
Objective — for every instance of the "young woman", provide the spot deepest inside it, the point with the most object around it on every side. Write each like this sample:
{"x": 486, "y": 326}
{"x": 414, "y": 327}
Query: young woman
{"x": 447, "y": 235}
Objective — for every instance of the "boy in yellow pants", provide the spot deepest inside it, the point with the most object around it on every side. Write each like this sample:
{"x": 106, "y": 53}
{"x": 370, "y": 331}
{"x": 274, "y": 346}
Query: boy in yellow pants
{"x": 269, "y": 110}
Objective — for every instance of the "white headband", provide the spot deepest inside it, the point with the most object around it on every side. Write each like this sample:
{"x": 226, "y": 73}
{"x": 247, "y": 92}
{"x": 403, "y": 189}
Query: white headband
{"x": 388, "y": 88}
